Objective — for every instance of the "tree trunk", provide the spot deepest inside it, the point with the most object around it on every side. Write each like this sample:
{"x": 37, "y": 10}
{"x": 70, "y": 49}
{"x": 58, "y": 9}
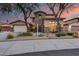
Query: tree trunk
{"x": 26, "y": 23}
{"x": 25, "y": 15}
{"x": 58, "y": 24}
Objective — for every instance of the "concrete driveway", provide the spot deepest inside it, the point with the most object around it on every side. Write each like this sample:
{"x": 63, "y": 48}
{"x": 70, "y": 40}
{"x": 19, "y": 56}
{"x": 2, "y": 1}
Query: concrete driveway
{"x": 26, "y": 46}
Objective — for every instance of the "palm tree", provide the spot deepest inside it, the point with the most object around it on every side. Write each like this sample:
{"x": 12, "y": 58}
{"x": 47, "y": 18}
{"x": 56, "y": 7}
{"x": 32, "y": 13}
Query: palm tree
{"x": 25, "y": 8}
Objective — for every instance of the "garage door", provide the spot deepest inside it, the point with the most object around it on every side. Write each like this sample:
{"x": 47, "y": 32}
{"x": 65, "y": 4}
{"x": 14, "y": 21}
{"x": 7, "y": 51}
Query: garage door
{"x": 75, "y": 28}
{"x": 20, "y": 29}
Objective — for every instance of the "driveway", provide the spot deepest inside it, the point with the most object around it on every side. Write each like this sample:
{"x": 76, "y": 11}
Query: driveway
{"x": 26, "y": 46}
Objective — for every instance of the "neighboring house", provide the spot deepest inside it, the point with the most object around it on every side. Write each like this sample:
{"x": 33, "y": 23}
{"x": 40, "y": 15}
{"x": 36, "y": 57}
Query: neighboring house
{"x": 19, "y": 26}
{"x": 71, "y": 25}
{"x": 5, "y": 27}
{"x": 14, "y": 26}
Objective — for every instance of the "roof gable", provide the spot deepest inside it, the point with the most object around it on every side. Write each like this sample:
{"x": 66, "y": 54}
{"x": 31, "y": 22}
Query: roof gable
{"x": 38, "y": 12}
{"x": 71, "y": 21}
{"x": 17, "y": 21}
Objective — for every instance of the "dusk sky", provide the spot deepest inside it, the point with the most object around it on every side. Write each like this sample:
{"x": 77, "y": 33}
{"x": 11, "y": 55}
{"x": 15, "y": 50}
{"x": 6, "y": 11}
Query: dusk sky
{"x": 43, "y": 7}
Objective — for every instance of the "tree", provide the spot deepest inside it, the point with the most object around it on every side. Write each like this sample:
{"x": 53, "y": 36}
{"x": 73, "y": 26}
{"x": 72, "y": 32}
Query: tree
{"x": 25, "y": 8}
{"x": 57, "y": 9}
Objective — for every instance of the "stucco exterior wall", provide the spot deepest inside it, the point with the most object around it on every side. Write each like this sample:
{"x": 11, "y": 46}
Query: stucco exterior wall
{"x": 65, "y": 28}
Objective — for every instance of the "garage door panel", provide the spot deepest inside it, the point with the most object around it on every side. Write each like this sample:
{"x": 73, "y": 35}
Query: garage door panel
{"x": 75, "y": 28}
{"x": 20, "y": 29}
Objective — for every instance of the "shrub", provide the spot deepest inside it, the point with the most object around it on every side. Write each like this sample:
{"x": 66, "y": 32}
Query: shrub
{"x": 63, "y": 34}
{"x": 40, "y": 35}
{"x": 26, "y": 34}
{"x": 10, "y": 36}
{"x": 60, "y": 34}
{"x": 70, "y": 33}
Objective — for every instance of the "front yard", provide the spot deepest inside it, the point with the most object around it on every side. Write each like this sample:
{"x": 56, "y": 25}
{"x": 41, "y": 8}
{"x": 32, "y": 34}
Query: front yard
{"x": 4, "y": 36}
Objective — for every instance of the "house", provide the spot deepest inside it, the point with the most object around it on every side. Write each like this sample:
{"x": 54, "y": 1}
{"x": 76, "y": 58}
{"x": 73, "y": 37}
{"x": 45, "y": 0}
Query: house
{"x": 45, "y": 20}
{"x": 71, "y": 25}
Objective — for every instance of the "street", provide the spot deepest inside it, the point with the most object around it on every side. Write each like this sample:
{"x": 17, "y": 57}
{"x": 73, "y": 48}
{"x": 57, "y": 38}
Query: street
{"x": 66, "y": 52}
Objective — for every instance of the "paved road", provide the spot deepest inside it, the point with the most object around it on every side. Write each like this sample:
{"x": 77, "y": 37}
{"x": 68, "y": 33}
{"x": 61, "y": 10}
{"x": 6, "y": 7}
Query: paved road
{"x": 66, "y": 52}
{"x": 20, "y": 47}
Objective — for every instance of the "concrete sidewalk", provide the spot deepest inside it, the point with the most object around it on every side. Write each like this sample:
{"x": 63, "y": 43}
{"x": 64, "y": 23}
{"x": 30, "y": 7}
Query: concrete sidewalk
{"x": 18, "y": 47}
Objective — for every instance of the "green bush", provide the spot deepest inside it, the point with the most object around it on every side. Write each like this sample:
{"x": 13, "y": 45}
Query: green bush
{"x": 10, "y": 36}
{"x": 60, "y": 34}
{"x": 70, "y": 33}
{"x": 63, "y": 34}
{"x": 26, "y": 34}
